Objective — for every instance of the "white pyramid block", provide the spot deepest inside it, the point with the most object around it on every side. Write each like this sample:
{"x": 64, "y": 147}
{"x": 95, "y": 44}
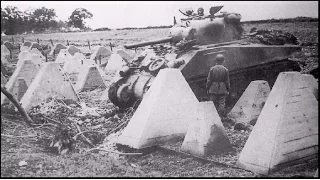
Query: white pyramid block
{"x": 56, "y": 49}
{"x": 72, "y": 49}
{"x": 3, "y": 80}
{"x": 22, "y": 88}
{"x": 3, "y": 69}
{"x": 4, "y": 59}
{"x": 36, "y": 57}
{"x": 164, "y": 113}
{"x": 8, "y": 44}
{"x": 63, "y": 57}
{"x": 24, "y": 48}
{"x": 34, "y": 45}
{"x": 89, "y": 78}
{"x": 27, "y": 44}
{"x": 50, "y": 81}
{"x": 125, "y": 55}
{"x": 100, "y": 53}
{"x": 5, "y": 50}
{"x": 286, "y": 132}
{"x": 19, "y": 90}
{"x": 27, "y": 70}
{"x": 206, "y": 133}
{"x": 250, "y": 104}
{"x": 115, "y": 63}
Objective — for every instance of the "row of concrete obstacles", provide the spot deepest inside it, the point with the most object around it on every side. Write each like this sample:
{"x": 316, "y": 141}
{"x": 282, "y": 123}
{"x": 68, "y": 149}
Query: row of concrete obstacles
{"x": 285, "y": 133}
{"x": 32, "y": 70}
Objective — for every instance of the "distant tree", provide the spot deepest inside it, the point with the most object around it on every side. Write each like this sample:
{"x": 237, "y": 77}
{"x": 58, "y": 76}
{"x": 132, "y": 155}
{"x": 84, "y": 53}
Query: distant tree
{"x": 11, "y": 20}
{"x": 43, "y": 19}
{"x": 78, "y": 16}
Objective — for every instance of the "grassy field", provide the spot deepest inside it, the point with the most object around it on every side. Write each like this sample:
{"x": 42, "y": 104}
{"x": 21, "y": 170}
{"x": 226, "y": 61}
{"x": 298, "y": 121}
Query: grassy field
{"x": 31, "y": 145}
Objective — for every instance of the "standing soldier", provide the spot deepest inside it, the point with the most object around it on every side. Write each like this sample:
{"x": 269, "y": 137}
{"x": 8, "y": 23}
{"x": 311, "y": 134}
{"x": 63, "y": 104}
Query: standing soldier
{"x": 218, "y": 85}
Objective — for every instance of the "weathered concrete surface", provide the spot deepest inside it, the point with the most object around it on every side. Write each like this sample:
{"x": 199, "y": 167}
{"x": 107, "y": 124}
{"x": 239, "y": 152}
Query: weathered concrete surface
{"x": 89, "y": 78}
{"x": 313, "y": 84}
{"x": 286, "y": 132}
{"x": 34, "y": 45}
{"x": 4, "y": 60}
{"x": 115, "y": 63}
{"x": 8, "y": 44}
{"x": 50, "y": 81}
{"x": 56, "y": 49}
{"x": 63, "y": 57}
{"x": 100, "y": 54}
{"x": 27, "y": 44}
{"x": 3, "y": 80}
{"x": 74, "y": 64}
{"x": 22, "y": 88}
{"x": 250, "y": 104}
{"x": 72, "y": 49}
{"x": 35, "y": 55}
{"x": 125, "y": 55}
{"x": 5, "y": 51}
{"x": 18, "y": 91}
{"x": 165, "y": 112}
{"x": 3, "y": 69}
{"x": 27, "y": 70}
{"x": 206, "y": 133}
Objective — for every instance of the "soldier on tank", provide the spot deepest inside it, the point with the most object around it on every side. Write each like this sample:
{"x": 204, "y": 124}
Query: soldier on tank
{"x": 218, "y": 84}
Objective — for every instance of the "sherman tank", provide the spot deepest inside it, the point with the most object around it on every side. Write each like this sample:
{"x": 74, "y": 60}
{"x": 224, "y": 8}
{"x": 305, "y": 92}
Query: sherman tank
{"x": 192, "y": 46}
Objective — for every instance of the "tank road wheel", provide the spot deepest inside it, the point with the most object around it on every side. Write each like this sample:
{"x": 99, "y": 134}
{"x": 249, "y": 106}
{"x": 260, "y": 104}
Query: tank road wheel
{"x": 120, "y": 96}
{"x": 156, "y": 65}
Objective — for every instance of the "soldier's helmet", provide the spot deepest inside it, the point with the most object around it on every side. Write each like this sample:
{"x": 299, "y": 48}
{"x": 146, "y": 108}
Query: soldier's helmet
{"x": 200, "y": 11}
{"x": 220, "y": 58}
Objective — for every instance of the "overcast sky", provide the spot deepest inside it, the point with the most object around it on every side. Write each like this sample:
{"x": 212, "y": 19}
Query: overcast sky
{"x": 119, "y": 14}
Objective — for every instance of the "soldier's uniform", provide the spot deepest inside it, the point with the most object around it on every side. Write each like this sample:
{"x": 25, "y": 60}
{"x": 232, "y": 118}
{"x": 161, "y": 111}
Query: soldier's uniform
{"x": 218, "y": 86}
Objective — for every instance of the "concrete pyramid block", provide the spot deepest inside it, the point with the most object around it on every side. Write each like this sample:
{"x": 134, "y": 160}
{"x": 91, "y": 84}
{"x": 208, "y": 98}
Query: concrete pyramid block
{"x": 115, "y": 63}
{"x": 206, "y": 134}
{"x": 50, "y": 81}
{"x": 100, "y": 53}
{"x": 19, "y": 90}
{"x": 286, "y": 132}
{"x": 4, "y": 59}
{"x": 22, "y": 88}
{"x": 27, "y": 70}
{"x": 72, "y": 49}
{"x": 164, "y": 113}
{"x": 34, "y": 45}
{"x": 27, "y": 44}
{"x": 63, "y": 57}
{"x": 313, "y": 84}
{"x": 24, "y": 48}
{"x": 36, "y": 57}
{"x": 5, "y": 51}
{"x": 125, "y": 55}
{"x": 89, "y": 78}
{"x": 250, "y": 104}
{"x": 3, "y": 80}
{"x": 8, "y": 44}
{"x": 56, "y": 49}
{"x": 3, "y": 69}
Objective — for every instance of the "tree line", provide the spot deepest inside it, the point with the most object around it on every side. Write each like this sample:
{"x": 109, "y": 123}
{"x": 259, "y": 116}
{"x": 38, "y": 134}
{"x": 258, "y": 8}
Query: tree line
{"x": 14, "y": 21}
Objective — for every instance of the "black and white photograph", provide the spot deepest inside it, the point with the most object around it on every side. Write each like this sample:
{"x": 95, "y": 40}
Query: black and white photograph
{"x": 159, "y": 89}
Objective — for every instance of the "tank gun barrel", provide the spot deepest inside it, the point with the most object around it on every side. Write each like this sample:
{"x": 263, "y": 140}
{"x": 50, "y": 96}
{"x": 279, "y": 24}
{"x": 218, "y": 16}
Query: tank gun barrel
{"x": 146, "y": 43}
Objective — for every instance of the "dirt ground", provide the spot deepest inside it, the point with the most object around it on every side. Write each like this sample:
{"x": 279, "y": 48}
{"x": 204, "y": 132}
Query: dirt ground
{"x": 20, "y": 143}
